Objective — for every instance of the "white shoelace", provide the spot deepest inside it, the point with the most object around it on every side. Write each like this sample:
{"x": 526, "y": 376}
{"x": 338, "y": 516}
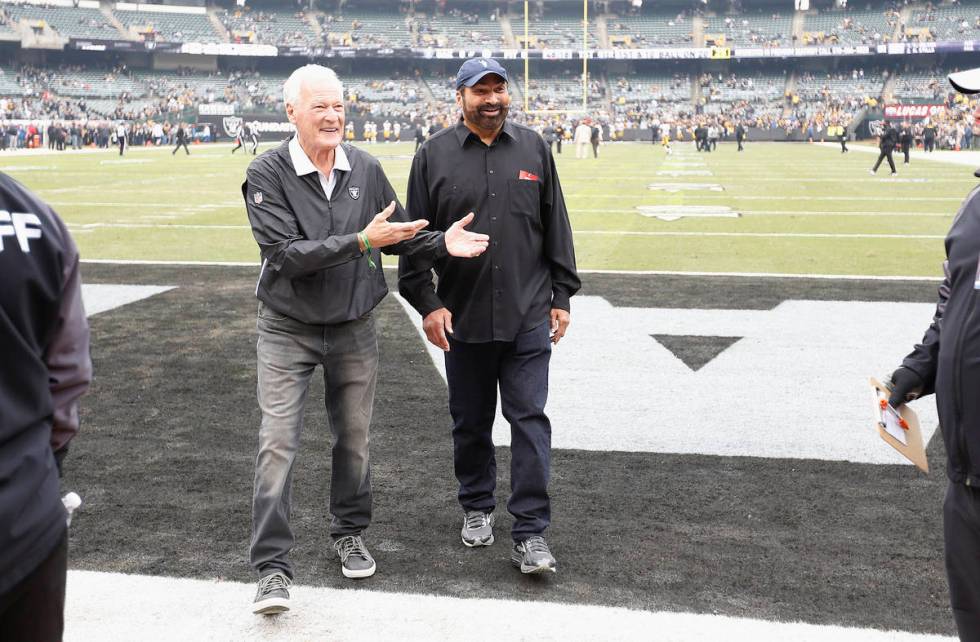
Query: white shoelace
{"x": 352, "y": 546}
{"x": 476, "y": 519}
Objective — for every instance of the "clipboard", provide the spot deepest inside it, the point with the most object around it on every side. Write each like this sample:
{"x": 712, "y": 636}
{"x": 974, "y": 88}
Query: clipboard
{"x": 912, "y": 448}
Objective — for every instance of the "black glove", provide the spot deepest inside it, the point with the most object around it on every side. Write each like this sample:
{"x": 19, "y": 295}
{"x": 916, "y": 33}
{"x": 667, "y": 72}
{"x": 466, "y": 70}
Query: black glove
{"x": 59, "y": 456}
{"x": 906, "y": 385}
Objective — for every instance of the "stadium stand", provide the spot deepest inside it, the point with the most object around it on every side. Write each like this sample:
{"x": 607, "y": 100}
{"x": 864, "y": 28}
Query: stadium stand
{"x": 750, "y": 30}
{"x": 356, "y": 28}
{"x": 457, "y": 28}
{"x": 556, "y": 29}
{"x": 944, "y": 22}
{"x": 268, "y": 27}
{"x": 169, "y": 27}
{"x": 851, "y": 27}
{"x": 650, "y": 30}
{"x": 921, "y": 85}
{"x": 68, "y": 22}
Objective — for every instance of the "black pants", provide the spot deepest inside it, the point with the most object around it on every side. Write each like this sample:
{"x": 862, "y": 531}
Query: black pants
{"x": 843, "y": 144}
{"x": 122, "y": 145}
{"x": 961, "y": 527}
{"x": 929, "y": 144}
{"x": 179, "y": 144}
{"x": 905, "y": 151}
{"x": 558, "y": 144}
{"x": 885, "y": 153}
{"x": 34, "y": 609}
{"x": 739, "y": 140}
{"x": 520, "y": 367}
{"x": 595, "y": 149}
{"x": 238, "y": 145}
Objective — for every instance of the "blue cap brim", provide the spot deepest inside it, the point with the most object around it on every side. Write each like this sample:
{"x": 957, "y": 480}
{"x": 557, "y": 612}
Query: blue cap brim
{"x": 477, "y": 78}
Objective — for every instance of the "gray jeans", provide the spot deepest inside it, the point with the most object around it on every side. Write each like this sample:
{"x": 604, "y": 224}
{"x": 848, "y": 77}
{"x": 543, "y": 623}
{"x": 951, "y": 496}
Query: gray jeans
{"x": 288, "y": 352}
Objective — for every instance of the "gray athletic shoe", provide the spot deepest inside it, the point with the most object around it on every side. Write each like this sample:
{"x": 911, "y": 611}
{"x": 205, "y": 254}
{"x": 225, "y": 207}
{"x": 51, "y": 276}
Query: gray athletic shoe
{"x": 355, "y": 559}
{"x": 272, "y": 597}
{"x": 533, "y": 556}
{"x": 477, "y": 528}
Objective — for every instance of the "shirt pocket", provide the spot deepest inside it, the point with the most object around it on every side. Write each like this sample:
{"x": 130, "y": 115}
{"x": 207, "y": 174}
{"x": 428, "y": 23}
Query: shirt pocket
{"x": 524, "y": 199}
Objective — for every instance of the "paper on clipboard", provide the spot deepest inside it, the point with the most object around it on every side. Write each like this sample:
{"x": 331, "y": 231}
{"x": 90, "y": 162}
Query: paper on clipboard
{"x": 889, "y": 421}
{"x": 908, "y": 440}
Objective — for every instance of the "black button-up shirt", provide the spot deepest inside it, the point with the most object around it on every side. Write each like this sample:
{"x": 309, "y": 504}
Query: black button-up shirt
{"x": 512, "y": 188}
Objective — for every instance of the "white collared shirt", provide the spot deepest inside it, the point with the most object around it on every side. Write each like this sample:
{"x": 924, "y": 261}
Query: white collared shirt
{"x": 303, "y": 165}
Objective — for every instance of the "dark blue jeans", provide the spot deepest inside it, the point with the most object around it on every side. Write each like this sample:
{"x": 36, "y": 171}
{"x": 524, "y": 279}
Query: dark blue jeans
{"x": 520, "y": 368}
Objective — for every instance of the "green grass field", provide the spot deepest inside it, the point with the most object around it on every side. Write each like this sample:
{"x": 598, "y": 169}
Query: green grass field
{"x": 806, "y": 209}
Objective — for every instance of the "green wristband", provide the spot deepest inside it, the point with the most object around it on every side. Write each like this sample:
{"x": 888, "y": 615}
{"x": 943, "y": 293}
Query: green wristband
{"x": 367, "y": 249}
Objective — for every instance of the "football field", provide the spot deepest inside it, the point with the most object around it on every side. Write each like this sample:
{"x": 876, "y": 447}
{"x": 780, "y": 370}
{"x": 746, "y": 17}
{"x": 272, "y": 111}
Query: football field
{"x": 715, "y": 470}
{"x": 801, "y": 209}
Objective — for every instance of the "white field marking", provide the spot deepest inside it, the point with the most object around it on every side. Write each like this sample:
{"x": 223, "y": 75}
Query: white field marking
{"x": 162, "y": 216}
{"x": 99, "y": 297}
{"x": 206, "y": 206}
{"x": 744, "y": 212}
{"x": 672, "y": 173}
{"x": 157, "y": 226}
{"x": 753, "y": 275}
{"x": 943, "y": 156}
{"x": 766, "y": 275}
{"x": 776, "y": 235}
{"x": 685, "y": 187}
{"x": 736, "y": 197}
{"x": 114, "y": 606}
{"x": 747, "y": 402}
{"x": 178, "y": 263}
{"x": 26, "y": 168}
{"x": 675, "y": 212}
{"x": 126, "y": 161}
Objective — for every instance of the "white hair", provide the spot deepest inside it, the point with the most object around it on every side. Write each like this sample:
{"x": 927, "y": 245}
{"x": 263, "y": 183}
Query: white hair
{"x": 304, "y": 74}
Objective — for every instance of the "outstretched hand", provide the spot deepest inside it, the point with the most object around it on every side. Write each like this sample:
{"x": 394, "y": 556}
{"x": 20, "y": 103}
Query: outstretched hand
{"x": 463, "y": 243}
{"x": 381, "y": 233}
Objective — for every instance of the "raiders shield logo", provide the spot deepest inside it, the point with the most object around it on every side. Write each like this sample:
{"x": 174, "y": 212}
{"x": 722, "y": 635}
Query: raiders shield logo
{"x": 355, "y": 192}
{"x": 257, "y": 197}
{"x": 232, "y": 125}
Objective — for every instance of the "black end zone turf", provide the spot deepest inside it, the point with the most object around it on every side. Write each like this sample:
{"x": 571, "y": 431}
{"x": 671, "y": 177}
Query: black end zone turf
{"x": 164, "y": 465}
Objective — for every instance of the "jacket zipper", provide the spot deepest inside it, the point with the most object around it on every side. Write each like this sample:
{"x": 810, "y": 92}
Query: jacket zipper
{"x": 957, "y": 392}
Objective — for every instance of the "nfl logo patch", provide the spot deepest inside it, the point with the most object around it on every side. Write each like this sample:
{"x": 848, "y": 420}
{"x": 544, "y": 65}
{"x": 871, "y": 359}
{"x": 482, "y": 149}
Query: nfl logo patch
{"x": 257, "y": 197}
{"x": 355, "y": 192}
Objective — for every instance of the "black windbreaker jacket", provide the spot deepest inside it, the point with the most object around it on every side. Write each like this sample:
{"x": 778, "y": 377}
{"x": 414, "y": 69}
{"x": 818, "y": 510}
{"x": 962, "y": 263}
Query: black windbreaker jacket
{"x": 312, "y": 267}
{"x": 44, "y": 368}
{"x": 948, "y": 358}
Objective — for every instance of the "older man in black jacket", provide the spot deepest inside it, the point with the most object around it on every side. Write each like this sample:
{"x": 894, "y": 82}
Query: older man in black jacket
{"x": 320, "y": 213}
{"x": 44, "y": 369}
{"x": 946, "y": 362}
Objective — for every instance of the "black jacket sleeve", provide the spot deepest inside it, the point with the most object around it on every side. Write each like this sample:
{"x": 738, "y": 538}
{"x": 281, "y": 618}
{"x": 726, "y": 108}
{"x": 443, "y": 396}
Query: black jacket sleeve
{"x": 415, "y": 272}
{"x": 284, "y": 249}
{"x": 426, "y": 245}
{"x": 924, "y": 357}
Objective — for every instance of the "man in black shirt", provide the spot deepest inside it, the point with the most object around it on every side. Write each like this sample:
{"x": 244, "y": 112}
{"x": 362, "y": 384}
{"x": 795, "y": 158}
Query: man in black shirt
{"x": 497, "y": 316}
{"x": 740, "y": 136}
{"x": 886, "y": 145}
{"x": 929, "y": 137}
{"x": 181, "y": 137}
{"x": 905, "y": 140}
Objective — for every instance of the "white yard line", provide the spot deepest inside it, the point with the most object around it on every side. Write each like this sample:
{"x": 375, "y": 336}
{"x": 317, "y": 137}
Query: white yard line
{"x": 970, "y": 158}
{"x": 815, "y": 235}
{"x": 737, "y": 197}
{"x": 113, "y": 606}
{"x": 745, "y": 212}
{"x": 754, "y": 275}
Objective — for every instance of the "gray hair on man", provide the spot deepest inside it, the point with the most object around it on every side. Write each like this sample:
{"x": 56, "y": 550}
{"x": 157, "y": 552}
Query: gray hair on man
{"x": 304, "y": 74}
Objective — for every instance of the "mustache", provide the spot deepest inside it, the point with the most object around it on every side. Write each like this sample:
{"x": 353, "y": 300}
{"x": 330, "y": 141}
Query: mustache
{"x": 490, "y": 107}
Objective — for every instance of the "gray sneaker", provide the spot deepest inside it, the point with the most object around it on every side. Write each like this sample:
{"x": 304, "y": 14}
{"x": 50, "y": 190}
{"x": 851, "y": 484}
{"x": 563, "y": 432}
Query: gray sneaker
{"x": 355, "y": 560}
{"x": 477, "y": 528}
{"x": 533, "y": 556}
{"x": 272, "y": 597}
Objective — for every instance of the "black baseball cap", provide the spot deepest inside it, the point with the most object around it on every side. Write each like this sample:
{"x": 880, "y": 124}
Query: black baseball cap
{"x": 966, "y": 82}
{"x": 471, "y": 71}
